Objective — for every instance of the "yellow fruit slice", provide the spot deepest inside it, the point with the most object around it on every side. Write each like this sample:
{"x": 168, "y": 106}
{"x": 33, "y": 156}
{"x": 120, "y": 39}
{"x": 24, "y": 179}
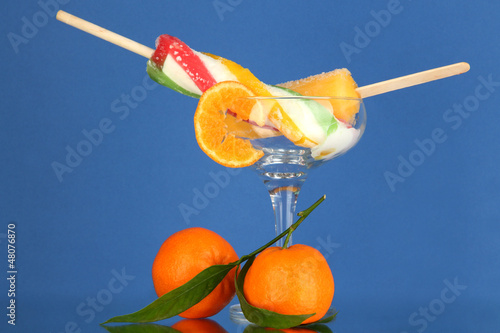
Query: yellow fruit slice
{"x": 246, "y": 77}
{"x": 287, "y": 126}
{"x": 274, "y": 113}
{"x": 337, "y": 83}
{"x": 212, "y": 132}
{"x": 243, "y": 75}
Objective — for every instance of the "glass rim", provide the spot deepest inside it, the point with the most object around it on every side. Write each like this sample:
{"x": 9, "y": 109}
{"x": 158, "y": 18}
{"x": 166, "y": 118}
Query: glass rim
{"x": 302, "y": 97}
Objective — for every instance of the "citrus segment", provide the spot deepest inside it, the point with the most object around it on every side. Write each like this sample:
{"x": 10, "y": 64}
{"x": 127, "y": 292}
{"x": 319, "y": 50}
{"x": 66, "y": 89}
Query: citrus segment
{"x": 243, "y": 75}
{"x": 212, "y": 132}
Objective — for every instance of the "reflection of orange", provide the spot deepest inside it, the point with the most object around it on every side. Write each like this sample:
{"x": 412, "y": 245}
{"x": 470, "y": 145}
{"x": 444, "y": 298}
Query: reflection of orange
{"x": 212, "y": 132}
{"x": 185, "y": 254}
{"x": 198, "y": 326}
{"x": 292, "y": 281}
{"x": 285, "y": 188}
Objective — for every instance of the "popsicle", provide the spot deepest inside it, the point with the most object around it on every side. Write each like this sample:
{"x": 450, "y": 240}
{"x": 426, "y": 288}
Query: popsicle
{"x": 364, "y": 91}
{"x": 310, "y": 124}
{"x": 177, "y": 66}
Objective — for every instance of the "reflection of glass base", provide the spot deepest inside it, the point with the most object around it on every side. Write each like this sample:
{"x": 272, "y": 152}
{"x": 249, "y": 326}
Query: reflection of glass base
{"x": 237, "y": 316}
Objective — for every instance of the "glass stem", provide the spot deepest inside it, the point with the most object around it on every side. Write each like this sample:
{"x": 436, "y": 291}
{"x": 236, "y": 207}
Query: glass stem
{"x": 284, "y": 200}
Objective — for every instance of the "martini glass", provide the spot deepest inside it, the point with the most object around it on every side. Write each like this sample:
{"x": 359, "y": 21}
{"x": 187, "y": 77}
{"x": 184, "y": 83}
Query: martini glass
{"x": 285, "y": 166}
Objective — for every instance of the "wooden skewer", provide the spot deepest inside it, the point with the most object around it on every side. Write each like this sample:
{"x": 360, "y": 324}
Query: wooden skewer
{"x": 365, "y": 91}
{"x": 105, "y": 34}
{"x": 413, "y": 79}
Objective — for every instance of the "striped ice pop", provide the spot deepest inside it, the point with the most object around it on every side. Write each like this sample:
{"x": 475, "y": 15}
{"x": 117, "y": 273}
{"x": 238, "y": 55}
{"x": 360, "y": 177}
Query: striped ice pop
{"x": 306, "y": 123}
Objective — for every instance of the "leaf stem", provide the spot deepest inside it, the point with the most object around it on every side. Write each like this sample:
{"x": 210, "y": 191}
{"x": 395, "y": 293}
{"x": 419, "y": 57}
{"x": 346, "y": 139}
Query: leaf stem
{"x": 287, "y": 239}
{"x": 303, "y": 214}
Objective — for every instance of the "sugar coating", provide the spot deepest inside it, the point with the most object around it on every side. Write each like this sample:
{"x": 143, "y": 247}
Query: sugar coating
{"x": 323, "y": 76}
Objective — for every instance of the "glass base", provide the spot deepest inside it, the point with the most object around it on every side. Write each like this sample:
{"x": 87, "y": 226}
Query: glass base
{"x": 237, "y": 316}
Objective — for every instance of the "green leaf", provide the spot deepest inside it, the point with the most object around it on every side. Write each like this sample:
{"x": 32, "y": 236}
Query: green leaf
{"x": 303, "y": 214}
{"x": 179, "y": 299}
{"x": 328, "y": 319}
{"x": 262, "y": 317}
{"x": 141, "y": 328}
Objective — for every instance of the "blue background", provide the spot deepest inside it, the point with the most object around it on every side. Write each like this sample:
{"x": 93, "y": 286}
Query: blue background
{"x": 392, "y": 250}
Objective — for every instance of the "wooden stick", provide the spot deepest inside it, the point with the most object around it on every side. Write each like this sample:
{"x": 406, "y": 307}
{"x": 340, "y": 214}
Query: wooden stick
{"x": 105, "y": 34}
{"x": 365, "y": 91}
{"x": 413, "y": 79}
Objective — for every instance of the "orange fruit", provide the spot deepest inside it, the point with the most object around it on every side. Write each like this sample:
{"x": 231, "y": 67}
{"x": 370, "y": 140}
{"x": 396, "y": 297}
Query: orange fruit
{"x": 212, "y": 132}
{"x": 291, "y": 281}
{"x": 198, "y": 326}
{"x": 185, "y": 254}
{"x": 337, "y": 83}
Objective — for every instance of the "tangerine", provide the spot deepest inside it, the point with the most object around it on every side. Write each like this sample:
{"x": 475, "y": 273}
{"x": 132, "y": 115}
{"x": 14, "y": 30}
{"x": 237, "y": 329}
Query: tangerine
{"x": 185, "y": 254}
{"x": 291, "y": 281}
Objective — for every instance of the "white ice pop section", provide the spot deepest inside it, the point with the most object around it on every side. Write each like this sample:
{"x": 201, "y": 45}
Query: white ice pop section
{"x": 337, "y": 142}
{"x": 219, "y": 71}
{"x": 177, "y": 74}
{"x": 301, "y": 114}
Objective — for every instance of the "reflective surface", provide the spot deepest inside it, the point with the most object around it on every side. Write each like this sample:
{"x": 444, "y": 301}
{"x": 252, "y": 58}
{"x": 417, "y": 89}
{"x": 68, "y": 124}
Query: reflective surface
{"x": 61, "y": 314}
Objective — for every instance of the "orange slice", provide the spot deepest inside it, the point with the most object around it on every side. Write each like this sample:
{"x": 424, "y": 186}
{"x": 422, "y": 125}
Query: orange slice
{"x": 212, "y": 132}
{"x": 246, "y": 77}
